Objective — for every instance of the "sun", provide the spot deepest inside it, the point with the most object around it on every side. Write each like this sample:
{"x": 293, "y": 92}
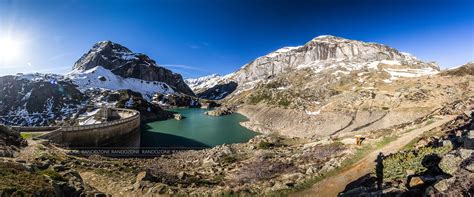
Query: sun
{"x": 10, "y": 49}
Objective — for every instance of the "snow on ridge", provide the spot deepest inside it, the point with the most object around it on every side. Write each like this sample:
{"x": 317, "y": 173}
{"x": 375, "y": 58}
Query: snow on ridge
{"x": 119, "y": 51}
{"x": 100, "y": 77}
{"x": 408, "y": 72}
{"x": 409, "y": 56}
{"x": 203, "y": 82}
{"x": 280, "y": 51}
{"x": 38, "y": 76}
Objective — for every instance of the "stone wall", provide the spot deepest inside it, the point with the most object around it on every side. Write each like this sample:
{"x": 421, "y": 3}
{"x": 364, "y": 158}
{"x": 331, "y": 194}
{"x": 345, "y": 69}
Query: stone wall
{"x": 97, "y": 135}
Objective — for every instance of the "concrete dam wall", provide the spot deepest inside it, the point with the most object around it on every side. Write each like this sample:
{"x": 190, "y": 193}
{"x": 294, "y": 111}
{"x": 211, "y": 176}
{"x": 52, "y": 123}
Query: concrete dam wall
{"x": 97, "y": 135}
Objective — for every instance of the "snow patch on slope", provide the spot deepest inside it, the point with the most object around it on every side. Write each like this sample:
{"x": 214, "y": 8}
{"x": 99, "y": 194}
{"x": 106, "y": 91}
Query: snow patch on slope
{"x": 100, "y": 77}
{"x": 203, "y": 82}
{"x": 280, "y": 51}
{"x": 407, "y": 72}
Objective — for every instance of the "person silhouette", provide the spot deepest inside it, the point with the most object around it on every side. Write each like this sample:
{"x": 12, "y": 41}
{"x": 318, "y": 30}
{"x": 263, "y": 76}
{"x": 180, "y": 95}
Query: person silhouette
{"x": 379, "y": 170}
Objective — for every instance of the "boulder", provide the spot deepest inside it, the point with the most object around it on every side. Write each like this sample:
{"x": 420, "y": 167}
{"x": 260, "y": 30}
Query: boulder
{"x": 450, "y": 163}
{"x": 279, "y": 186}
{"x": 416, "y": 181}
{"x": 145, "y": 176}
{"x": 443, "y": 185}
{"x": 311, "y": 171}
{"x": 59, "y": 168}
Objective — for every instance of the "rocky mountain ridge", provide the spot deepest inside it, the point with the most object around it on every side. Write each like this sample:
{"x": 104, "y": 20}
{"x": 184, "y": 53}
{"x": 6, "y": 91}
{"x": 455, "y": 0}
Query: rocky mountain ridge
{"x": 123, "y": 62}
{"x": 328, "y": 53}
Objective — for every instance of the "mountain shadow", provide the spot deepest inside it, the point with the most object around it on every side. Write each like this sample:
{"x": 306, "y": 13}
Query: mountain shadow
{"x": 164, "y": 141}
{"x": 219, "y": 91}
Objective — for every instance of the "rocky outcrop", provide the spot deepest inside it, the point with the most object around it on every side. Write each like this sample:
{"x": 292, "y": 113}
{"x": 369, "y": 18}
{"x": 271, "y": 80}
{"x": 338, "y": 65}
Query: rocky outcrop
{"x": 466, "y": 69}
{"x": 10, "y": 141}
{"x": 133, "y": 100}
{"x": 123, "y": 62}
{"x": 222, "y": 111}
{"x": 172, "y": 100}
{"x": 106, "y": 54}
{"x": 42, "y": 177}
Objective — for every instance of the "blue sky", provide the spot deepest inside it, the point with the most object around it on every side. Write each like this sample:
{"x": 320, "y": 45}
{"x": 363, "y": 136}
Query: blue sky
{"x": 200, "y": 37}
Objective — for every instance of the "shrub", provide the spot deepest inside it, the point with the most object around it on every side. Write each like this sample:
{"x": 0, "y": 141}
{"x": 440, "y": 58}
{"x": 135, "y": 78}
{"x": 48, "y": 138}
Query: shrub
{"x": 396, "y": 165}
{"x": 53, "y": 175}
{"x": 229, "y": 159}
{"x": 265, "y": 145}
{"x": 17, "y": 180}
{"x": 284, "y": 102}
{"x": 258, "y": 97}
{"x": 263, "y": 169}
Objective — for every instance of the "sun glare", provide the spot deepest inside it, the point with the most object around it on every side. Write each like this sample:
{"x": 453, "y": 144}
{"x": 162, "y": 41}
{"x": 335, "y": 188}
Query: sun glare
{"x": 9, "y": 49}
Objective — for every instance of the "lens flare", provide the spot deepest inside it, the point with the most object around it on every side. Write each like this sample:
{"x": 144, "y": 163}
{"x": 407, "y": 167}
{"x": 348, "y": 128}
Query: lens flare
{"x": 9, "y": 49}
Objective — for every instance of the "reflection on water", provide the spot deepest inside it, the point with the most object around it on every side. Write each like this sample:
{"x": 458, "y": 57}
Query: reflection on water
{"x": 196, "y": 130}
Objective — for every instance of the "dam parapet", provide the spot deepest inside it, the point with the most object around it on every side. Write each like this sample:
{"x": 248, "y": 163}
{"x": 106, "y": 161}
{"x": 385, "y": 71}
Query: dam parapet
{"x": 126, "y": 122}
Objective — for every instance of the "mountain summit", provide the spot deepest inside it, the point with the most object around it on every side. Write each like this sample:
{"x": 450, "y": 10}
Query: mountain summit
{"x": 123, "y": 62}
{"x": 327, "y": 57}
{"x": 106, "y": 54}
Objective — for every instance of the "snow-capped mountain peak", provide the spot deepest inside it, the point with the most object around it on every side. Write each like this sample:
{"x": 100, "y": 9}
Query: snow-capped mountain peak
{"x": 122, "y": 62}
{"x": 107, "y": 54}
{"x": 197, "y": 84}
{"x": 331, "y": 55}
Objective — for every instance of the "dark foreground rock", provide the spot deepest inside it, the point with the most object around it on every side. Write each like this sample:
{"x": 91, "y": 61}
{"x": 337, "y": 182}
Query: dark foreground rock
{"x": 10, "y": 141}
{"x": 439, "y": 164}
{"x": 21, "y": 179}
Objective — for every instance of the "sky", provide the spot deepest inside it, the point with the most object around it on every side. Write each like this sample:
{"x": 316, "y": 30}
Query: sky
{"x": 201, "y": 37}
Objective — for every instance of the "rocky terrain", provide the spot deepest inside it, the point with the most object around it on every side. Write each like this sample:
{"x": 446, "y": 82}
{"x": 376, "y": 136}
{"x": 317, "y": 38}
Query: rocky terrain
{"x": 37, "y": 101}
{"x": 312, "y": 104}
{"x": 333, "y": 85}
{"x": 10, "y": 142}
{"x": 441, "y": 162}
{"x": 329, "y": 55}
{"x": 109, "y": 74}
{"x": 264, "y": 165}
{"x": 221, "y": 111}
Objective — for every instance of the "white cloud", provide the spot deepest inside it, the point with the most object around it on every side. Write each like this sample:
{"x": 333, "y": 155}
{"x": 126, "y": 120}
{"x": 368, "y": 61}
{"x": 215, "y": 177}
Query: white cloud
{"x": 183, "y": 67}
{"x": 187, "y": 71}
{"x": 198, "y": 46}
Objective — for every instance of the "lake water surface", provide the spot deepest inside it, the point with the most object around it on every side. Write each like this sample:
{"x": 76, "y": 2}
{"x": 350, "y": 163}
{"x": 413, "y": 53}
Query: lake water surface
{"x": 195, "y": 130}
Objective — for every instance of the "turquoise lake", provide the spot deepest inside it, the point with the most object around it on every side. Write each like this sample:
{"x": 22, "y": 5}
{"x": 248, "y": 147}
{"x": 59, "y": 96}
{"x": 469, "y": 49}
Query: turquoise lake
{"x": 195, "y": 130}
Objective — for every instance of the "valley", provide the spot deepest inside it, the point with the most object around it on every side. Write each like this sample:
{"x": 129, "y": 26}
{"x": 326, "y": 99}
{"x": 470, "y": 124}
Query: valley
{"x": 304, "y": 120}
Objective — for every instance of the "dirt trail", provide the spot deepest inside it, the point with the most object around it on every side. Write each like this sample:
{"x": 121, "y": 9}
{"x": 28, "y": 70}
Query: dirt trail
{"x": 333, "y": 185}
